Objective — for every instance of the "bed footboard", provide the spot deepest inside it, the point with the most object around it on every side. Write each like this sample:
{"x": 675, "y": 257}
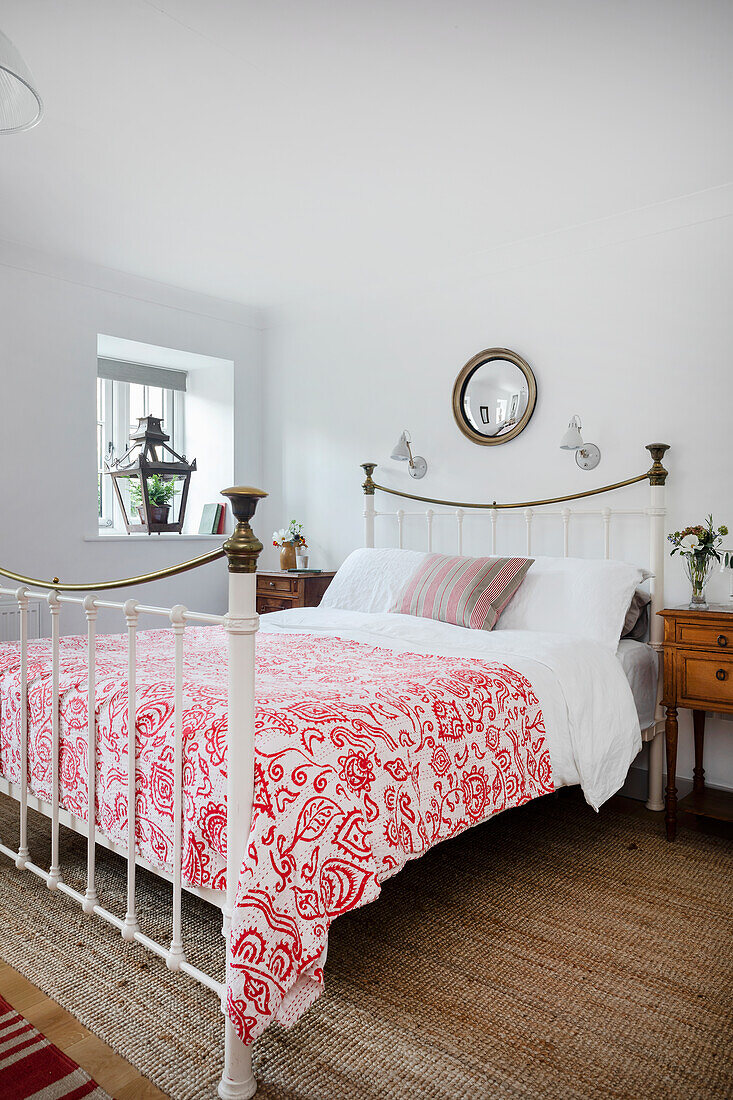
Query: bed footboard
{"x": 240, "y": 623}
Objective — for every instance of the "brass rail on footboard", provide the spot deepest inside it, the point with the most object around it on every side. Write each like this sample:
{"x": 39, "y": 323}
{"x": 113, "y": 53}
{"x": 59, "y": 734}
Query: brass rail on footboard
{"x": 105, "y": 586}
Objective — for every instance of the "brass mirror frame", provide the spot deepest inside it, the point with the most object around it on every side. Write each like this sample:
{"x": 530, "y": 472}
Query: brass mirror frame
{"x": 460, "y": 387}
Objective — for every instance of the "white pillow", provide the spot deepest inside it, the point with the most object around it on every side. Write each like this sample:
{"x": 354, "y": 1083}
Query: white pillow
{"x": 371, "y": 580}
{"x": 588, "y": 597}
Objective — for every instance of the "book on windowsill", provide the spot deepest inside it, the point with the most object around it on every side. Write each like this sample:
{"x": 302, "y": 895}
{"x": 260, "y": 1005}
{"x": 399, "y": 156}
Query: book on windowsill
{"x": 210, "y": 519}
{"x": 222, "y": 528}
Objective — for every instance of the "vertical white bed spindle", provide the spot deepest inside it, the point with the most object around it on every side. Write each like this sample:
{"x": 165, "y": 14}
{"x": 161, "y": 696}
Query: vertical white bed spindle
{"x": 528, "y": 515}
{"x": 429, "y": 520}
{"x": 23, "y": 852}
{"x": 657, "y": 550}
{"x": 400, "y": 528}
{"x": 243, "y": 549}
{"x": 176, "y": 955}
{"x": 90, "y": 895}
{"x": 606, "y": 513}
{"x": 130, "y": 926}
{"x": 566, "y": 532}
{"x": 493, "y": 516}
{"x": 459, "y": 523}
{"x": 54, "y": 873}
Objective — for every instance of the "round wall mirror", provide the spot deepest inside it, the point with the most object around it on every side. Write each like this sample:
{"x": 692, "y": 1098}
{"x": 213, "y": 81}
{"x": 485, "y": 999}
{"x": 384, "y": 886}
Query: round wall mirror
{"x": 494, "y": 396}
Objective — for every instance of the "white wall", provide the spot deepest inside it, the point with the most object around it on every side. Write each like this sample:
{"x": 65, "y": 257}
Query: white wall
{"x": 50, "y": 314}
{"x": 625, "y": 321}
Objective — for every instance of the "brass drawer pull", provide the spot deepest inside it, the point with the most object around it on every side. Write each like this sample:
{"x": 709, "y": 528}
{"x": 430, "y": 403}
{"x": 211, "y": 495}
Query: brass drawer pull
{"x": 721, "y": 674}
{"x": 272, "y": 584}
{"x": 722, "y": 640}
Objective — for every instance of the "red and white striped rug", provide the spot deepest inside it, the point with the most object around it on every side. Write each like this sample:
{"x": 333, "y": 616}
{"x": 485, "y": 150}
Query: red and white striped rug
{"x": 32, "y": 1068}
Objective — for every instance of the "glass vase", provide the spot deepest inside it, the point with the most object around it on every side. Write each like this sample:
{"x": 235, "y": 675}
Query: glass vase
{"x": 698, "y": 568}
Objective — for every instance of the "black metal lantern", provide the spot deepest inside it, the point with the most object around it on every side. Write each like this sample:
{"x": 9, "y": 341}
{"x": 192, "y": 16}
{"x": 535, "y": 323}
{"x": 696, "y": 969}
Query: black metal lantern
{"x": 151, "y": 478}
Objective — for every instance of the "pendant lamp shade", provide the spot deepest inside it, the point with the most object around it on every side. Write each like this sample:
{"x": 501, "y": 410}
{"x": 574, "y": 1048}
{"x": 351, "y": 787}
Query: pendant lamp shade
{"x": 20, "y": 104}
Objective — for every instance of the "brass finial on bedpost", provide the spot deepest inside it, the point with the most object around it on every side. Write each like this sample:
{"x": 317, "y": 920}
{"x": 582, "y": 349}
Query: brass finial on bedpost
{"x": 243, "y": 547}
{"x": 369, "y": 486}
{"x": 657, "y": 475}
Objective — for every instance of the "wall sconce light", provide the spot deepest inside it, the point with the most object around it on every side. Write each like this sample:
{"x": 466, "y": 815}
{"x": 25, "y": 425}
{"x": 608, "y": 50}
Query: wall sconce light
{"x": 587, "y": 455}
{"x": 402, "y": 452}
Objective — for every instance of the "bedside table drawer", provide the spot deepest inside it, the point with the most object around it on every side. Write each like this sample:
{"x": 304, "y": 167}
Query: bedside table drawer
{"x": 707, "y": 680}
{"x": 700, "y": 634}
{"x": 273, "y": 603}
{"x": 285, "y": 586}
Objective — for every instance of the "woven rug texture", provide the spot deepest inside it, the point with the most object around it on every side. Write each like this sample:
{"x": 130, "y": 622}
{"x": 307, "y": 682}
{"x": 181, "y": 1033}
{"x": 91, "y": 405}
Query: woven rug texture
{"x": 550, "y": 953}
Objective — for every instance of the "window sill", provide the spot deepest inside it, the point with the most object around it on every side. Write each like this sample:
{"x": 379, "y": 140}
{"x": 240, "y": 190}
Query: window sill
{"x": 164, "y": 536}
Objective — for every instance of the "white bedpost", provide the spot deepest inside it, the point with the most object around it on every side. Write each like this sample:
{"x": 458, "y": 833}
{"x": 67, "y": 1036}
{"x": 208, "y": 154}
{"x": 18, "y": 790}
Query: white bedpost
{"x": 657, "y": 554}
{"x": 368, "y": 487}
{"x": 54, "y": 872}
{"x": 90, "y": 896}
{"x": 130, "y": 928}
{"x": 243, "y": 548}
{"x": 23, "y": 856}
{"x": 176, "y": 955}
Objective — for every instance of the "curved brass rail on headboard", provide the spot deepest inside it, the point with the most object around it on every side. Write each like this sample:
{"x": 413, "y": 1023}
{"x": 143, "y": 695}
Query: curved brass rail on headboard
{"x": 105, "y": 586}
{"x": 657, "y": 475}
{"x": 519, "y": 504}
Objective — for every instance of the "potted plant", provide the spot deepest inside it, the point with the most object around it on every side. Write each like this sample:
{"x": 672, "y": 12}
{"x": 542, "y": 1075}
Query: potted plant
{"x": 290, "y": 540}
{"x": 698, "y": 547}
{"x": 160, "y": 496}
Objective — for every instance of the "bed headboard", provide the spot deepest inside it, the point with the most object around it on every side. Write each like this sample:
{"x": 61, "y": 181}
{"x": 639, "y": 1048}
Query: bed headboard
{"x": 454, "y": 510}
{"x": 652, "y": 517}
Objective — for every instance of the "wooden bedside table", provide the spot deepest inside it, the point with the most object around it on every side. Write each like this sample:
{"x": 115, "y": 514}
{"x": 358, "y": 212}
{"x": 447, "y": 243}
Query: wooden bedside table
{"x": 698, "y": 675}
{"x": 278, "y": 591}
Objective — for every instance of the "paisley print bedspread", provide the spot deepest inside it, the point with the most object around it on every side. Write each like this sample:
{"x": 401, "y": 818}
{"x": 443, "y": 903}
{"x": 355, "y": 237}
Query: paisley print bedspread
{"x": 365, "y": 757}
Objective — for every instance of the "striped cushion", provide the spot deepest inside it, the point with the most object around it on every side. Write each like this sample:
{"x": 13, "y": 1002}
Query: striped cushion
{"x": 469, "y": 592}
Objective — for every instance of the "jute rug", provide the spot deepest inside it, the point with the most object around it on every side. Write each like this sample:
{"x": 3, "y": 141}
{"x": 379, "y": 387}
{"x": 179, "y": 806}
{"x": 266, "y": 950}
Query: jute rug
{"x": 552, "y": 952}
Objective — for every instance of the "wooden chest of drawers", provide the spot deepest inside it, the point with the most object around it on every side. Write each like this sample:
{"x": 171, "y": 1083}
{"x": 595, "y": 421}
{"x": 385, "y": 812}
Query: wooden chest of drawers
{"x": 698, "y": 675}
{"x": 277, "y": 591}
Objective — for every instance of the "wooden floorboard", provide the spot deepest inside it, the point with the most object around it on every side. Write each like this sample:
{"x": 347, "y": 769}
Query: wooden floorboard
{"x": 116, "y": 1076}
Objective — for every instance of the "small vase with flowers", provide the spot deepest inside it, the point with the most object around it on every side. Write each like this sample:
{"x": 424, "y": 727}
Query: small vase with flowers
{"x": 291, "y": 541}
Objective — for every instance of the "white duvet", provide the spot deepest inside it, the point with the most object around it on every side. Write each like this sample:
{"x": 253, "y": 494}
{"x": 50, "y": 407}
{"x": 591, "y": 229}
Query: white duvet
{"x": 591, "y": 720}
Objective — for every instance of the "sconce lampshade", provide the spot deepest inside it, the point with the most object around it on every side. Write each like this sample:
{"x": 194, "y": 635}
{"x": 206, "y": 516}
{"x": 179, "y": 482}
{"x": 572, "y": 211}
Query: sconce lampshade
{"x": 403, "y": 453}
{"x": 572, "y": 439}
{"x": 20, "y": 104}
{"x": 401, "y": 450}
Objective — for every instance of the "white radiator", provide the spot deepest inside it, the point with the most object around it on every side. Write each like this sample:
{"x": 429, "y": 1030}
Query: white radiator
{"x": 10, "y": 619}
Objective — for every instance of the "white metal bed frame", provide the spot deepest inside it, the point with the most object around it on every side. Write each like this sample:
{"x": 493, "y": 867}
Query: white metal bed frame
{"x": 241, "y": 623}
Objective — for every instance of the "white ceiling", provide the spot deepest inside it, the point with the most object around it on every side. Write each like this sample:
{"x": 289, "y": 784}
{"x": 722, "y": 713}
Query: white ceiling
{"x": 268, "y": 150}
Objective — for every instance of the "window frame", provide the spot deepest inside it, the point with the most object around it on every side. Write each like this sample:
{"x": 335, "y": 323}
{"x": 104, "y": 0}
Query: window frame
{"x": 113, "y": 395}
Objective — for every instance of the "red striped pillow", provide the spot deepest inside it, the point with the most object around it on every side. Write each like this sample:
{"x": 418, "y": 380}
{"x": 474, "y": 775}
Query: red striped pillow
{"x": 470, "y": 592}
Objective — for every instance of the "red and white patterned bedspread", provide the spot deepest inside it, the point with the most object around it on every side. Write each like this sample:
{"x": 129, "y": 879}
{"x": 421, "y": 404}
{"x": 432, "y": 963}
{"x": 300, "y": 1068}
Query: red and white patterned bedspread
{"x": 365, "y": 757}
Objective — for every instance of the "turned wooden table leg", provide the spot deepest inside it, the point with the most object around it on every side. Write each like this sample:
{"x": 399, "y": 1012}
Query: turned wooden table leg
{"x": 698, "y": 720}
{"x": 670, "y": 731}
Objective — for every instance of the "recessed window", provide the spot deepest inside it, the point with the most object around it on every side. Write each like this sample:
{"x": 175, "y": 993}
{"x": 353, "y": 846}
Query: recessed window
{"x": 194, "y": 396}
{"x": 126, "y": 392}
